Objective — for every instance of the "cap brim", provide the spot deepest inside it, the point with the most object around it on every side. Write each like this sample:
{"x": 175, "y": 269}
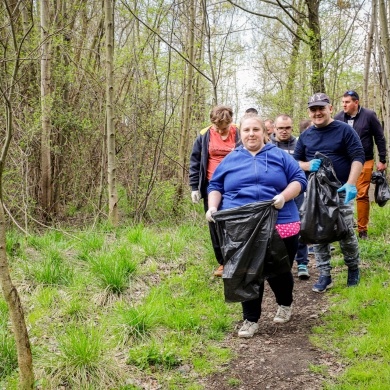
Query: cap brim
{"x": 318, "y": 104}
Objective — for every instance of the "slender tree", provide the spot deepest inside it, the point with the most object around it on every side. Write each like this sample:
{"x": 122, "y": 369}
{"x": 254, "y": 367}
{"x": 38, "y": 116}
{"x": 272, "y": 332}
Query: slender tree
{"x": 11, "y": 295}
{"x": 46, "y": 107}
{"x": 110, "y": 128}
{"x": 369, "y": 47}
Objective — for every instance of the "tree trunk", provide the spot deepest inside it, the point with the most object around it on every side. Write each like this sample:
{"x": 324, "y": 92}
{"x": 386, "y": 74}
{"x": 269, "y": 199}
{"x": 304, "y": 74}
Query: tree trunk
{"x": 46, "y": 173}
{"x": 111, "y": 155}
{"x": 210, "y": 57}
{"x": 385, "y": 38}
{"x": 292, "y": 69}
{"x": 11, "y": 296}
{"x": 318, "y": 79}
{"x": 188, "y": 98}
{"x": 369, "y": 45}
{"x": 385, "y": 63}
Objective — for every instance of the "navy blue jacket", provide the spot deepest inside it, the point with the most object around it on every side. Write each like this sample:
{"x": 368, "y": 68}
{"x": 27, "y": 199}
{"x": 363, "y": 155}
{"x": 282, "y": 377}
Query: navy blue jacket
{"x": 368, "y": 127}
{"x": 337, "y": 140}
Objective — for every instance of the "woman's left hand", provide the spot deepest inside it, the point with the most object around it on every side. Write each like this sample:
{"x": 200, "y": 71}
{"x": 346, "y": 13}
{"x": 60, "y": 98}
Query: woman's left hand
{"x": 209, "y": 214}
{"x": 279, "y": 201}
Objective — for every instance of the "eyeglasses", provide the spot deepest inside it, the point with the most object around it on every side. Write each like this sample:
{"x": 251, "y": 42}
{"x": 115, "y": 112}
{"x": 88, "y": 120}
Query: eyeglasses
{"x": 353, "y": 93}
{"x": 287, "y": 128}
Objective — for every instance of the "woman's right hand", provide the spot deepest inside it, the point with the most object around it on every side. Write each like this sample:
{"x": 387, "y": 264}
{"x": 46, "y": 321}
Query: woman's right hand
{"x": 209, "y": 214}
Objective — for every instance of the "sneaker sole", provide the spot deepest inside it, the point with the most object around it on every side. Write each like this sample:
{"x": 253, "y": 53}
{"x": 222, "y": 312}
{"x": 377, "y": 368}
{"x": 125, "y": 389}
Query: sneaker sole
{"x": 322, "y": 291}
{"x": 276, "y": 321}
{"x": 303, "y": 276}
{"x": 246, "y": 336}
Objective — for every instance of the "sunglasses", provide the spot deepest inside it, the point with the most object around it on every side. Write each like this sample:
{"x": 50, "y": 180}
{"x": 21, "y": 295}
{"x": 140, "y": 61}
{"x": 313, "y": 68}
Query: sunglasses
{"x": 352, "y": 93}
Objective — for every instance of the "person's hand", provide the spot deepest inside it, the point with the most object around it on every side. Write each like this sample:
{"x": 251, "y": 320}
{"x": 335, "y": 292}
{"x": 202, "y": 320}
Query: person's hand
{"x": 209, "y": 214}
{"x": 381, "y": 166}
{"x": 314, "y": 164}
{"x": 278, "y": 201}
{"x": 350, "y": 192}
{"x": 195, "y": 196}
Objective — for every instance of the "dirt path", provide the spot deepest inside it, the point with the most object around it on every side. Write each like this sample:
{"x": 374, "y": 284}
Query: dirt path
{"x": 279, "y": 356}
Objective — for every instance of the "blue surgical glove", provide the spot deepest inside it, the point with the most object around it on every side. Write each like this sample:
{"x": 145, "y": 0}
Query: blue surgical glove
{"x": 314, "y": 164}
{"x": 350, "y": 192}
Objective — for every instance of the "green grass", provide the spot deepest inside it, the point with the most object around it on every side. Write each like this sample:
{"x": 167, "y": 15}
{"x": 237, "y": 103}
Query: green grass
{"x": 356, "y": 325}
{"x": 113, "y": 268}
{"x": 8, "y": 357}
{"x": 82, "y": 359}
{"x": 109, "y": 308}
{"x": 107, "y": 305}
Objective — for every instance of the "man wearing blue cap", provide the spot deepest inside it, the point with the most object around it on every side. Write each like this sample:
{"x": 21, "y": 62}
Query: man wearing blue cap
{"x": 369, "y": 129}
{"x": 342, "y": 145}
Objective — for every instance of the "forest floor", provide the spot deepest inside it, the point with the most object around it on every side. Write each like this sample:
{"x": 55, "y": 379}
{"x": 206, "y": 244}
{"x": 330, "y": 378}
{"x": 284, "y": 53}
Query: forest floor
{"x": 280, "y": 357}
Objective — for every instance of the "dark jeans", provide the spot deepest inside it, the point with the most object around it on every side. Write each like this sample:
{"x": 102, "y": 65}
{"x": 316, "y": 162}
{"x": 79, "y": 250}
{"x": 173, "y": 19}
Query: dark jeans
{"x": 301, "y": 256}
{"x": 213, "y": 235}
{"x": 282, "y": 286}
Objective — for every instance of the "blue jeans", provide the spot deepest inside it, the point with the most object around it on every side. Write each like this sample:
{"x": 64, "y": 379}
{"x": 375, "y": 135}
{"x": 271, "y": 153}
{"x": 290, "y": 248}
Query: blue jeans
{"x": 348, "y": 245}
{"x": 301, "y": 256}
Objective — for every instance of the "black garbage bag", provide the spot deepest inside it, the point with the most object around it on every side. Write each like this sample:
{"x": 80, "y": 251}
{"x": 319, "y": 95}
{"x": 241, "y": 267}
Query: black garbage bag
{"x": 321, "y": 219}
{"x": 251, "y": 247}
{"x": 382, "y": 190}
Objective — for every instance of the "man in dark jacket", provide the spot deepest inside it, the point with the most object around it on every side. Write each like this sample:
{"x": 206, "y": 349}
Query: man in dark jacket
{"x": 342, "y": 145}
{"x": 369, "y": 129}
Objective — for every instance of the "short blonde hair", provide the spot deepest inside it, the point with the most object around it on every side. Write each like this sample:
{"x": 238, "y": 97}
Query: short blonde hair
{"x": 261, "y": 122}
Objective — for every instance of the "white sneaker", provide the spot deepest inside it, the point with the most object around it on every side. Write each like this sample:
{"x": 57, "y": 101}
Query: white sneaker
{"x": 283, "y": 314}
{"x": 248, "y": 329}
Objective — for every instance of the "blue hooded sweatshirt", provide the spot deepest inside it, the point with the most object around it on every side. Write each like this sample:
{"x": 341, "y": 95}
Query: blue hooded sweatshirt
{"x": 242, "y": 178}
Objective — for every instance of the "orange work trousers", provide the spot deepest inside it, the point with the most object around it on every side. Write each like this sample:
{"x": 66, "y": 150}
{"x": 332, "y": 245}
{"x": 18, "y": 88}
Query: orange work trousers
{"x": 362, "y": 199}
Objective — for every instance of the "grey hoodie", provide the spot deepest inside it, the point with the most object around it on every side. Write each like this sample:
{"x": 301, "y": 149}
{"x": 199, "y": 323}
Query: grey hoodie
{"x": 287, "y": 146}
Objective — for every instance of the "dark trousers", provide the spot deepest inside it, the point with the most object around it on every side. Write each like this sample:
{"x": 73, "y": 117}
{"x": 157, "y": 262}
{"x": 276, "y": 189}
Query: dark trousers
{"x": 213, "y": 235}
{"x": 301, "y": 256}
{"x": 282, "y": 286}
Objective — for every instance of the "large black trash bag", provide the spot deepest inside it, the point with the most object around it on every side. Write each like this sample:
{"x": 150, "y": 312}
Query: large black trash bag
{"x": 321, "y": 219}
{"x": 382, "y": 190}
{"x": 251, "y": 247}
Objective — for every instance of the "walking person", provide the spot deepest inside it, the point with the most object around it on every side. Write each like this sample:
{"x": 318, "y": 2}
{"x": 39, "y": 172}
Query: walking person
{"x": 342, "y": 145}
{"x": 283, "y": 139}
{"x": 210, "y": 147}
{"x": 369, "y": 129}
{"x": 258, "y": 171}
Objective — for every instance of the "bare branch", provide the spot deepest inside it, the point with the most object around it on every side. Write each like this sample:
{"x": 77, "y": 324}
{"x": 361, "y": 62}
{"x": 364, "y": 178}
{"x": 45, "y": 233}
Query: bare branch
{"x": 167, "y": 43}
{"x": 271, "y": 17}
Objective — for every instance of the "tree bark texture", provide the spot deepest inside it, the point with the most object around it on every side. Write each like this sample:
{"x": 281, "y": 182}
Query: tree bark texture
{"x": 11, "y": 296}
{"x": 318, "y": 79}
{"x": 369, "y": 46}
{"x": 46, "y": 104}
{"x": 111, "y": 155}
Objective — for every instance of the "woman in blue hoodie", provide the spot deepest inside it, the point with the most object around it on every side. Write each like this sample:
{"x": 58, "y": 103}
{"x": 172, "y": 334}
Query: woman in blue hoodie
{"x": 259, "y": 171}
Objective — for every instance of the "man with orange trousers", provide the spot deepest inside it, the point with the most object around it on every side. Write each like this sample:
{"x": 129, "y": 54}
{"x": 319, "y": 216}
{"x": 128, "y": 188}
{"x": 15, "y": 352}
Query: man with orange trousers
{"x": 369, "y": 129}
